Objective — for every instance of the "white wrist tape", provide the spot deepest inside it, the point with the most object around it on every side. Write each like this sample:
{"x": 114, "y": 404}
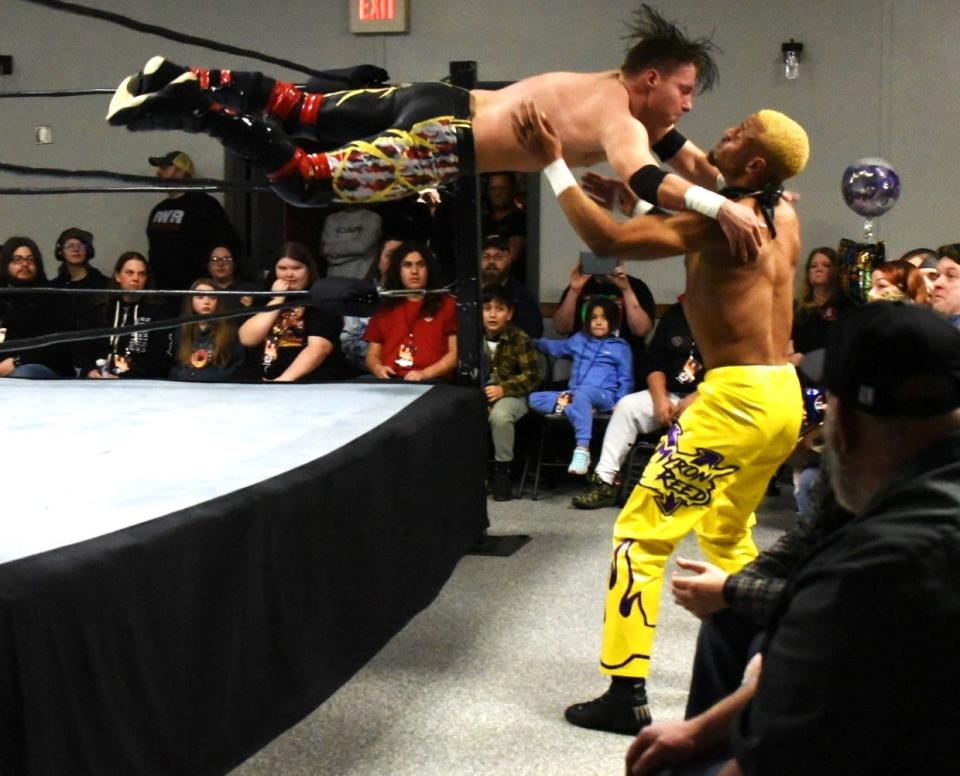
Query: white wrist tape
{"x": 721, "y": 181}
{"x": 642, "y": 207}
{"x": 559, "y": 176}
{"x": 700, "y": 200}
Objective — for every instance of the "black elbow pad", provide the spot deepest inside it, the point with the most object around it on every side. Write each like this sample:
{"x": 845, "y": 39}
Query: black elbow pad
{"x": 645, "y": 182}
{"x": 668, "y": 145}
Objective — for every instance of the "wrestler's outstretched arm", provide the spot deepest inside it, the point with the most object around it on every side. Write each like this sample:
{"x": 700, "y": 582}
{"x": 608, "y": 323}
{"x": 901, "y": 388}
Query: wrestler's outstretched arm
{"x": 691, "y": 162}
{"x": 646, "y": 237}
{"x": 627, "y": 146}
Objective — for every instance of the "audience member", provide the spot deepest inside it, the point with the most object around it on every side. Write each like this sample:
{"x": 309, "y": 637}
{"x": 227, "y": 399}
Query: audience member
{"x": 349, "y": 241}
{"x": 895, "y": 281}
{"x": 511, "y": 372}
{"x": 503, "y": 216}
{"x": 414, "y": 338}
{"x": 294, "y": 344}
{"x": 223, "y": 268}
{"x": 637, "y": 310}
{"x": 74, "y": 250}
{"x": 924, "y": 260}
{"x": 602, "y": 374}
{"x": 141, "y": 354}
{"x": 495, "y": 262}
{"x": 183, "y": 228}
{"x": 351, "y": 338}
{"x": 734, "y": 609}
{"x": 676, "y": 369}
{"x": 819, "y": 303}
{"x": 29, "y": 315}
{"x": 205, "y": 352}
{"x": 860, "y": 657}
{"x": 946, "y": 288}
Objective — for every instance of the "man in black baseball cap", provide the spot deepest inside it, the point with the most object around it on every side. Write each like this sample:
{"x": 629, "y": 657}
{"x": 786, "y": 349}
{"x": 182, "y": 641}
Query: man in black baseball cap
{"x": 495, "y": 270}
{"x": 184, "y": 228}
{"x": 894, "y": 360}
{"x": 176, "y": 159}
{"x": 859, "y": 667}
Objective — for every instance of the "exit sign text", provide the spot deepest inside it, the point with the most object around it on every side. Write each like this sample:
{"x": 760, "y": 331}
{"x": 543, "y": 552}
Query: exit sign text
{"x": 373, "y": 16}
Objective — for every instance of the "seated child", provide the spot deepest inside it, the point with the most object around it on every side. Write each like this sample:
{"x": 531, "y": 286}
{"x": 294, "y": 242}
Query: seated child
{"x": 205, "y": 352}
{"x": 511, "y": 371}
{"x": 602, "y": 373}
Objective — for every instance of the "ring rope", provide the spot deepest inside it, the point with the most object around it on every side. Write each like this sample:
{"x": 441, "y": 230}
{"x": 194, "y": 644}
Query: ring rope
{"x": 60, "y": 172}
{"x": 57, "y": 93}
{"x": 119, "y": 189}
{"x": 164, "y": 32}
{"x": 396, "y": 293}
{"x": 81, "y": 335}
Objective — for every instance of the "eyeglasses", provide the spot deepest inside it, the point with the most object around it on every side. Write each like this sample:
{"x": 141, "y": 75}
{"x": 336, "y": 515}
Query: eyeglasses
{"x": 222, "y": 259}
{"x": 22, "y": 260}
{"x": 73, "y": 245}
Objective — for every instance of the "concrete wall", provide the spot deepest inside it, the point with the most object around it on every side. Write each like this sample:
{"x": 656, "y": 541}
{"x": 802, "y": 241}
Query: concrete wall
{"x": 878, "y": 78}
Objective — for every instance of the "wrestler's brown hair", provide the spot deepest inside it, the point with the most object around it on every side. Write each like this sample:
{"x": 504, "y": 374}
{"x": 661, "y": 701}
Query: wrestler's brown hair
{"x": 662, "y": 45}
{"x": 224, "y": 331}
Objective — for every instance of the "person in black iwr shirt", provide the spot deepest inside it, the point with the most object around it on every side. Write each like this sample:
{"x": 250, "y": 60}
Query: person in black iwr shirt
{"x": 184, "y": 228}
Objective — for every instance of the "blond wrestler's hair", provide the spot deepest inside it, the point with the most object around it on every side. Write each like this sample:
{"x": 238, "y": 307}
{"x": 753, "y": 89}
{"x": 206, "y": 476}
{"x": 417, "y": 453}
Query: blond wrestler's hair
{"x": 785, "y": 141}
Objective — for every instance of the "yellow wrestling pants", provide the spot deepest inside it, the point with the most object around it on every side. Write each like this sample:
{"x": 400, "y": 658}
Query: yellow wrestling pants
{"x": 709, "y": 473}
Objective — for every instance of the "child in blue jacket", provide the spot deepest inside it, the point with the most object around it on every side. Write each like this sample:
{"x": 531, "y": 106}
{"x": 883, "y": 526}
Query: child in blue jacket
{"x": 602, "y": 373}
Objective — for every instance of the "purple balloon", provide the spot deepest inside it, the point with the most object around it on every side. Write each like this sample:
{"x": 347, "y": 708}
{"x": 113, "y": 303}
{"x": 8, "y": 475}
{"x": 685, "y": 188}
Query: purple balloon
{"x": 870, "y": 187}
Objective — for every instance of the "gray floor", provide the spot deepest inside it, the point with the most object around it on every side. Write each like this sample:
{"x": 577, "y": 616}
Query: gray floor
{"x": 477, "y": 683}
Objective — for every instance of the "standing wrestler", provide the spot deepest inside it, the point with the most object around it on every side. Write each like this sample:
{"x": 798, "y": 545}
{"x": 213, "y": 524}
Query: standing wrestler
{"x": 712, "y": 467}
{"x": 386, "y": 143}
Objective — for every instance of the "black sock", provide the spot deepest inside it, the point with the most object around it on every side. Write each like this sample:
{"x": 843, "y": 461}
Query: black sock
{"x": 630, "y": 688}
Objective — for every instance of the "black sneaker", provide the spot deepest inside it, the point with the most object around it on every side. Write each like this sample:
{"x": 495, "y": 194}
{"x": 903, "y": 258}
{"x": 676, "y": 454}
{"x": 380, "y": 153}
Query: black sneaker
{"x": 611, "y": 713}
{"x": 157, "y": 73}
{"x": 136, "y": 109}
{"x": 502, "y": 490}
{"x": 598, "y": 494}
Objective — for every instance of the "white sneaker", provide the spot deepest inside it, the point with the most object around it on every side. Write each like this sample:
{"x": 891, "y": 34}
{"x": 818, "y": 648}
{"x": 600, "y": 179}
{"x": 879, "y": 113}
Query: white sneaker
{"x": 580, "y": 463}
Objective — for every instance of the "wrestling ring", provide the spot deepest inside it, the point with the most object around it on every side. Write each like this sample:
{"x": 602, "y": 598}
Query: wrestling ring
{"x": 200, "y": 572}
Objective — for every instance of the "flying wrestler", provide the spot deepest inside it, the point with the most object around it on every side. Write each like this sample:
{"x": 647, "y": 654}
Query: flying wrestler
{"x": 711, "y": 469}
{"x": 386, "y": 143}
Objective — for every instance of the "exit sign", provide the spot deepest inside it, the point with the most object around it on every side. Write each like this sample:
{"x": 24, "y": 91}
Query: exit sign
{"x": 379, "y": 15}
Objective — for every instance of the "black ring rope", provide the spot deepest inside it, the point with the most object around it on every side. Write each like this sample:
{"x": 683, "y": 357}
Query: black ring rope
{"x": 163, "y": 32}
{"x": 148, "y": 292}
{"x": 118, "y": 189}
{"x": 81, "y": 335}
{"x": 66, "y": 93}
{"x": 56, "y": 93}
{"x": 115, "y": 189}
{"x": 60, "y": 172}
{"x": 396, "y": 293}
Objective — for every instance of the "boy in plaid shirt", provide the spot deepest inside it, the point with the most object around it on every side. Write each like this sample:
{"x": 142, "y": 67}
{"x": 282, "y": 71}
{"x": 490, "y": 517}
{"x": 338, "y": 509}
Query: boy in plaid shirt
{"x": 511, "y": 371}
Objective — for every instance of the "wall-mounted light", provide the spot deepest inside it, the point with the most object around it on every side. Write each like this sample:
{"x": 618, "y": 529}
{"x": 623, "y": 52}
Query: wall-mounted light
{"x": 792, "y": 51}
